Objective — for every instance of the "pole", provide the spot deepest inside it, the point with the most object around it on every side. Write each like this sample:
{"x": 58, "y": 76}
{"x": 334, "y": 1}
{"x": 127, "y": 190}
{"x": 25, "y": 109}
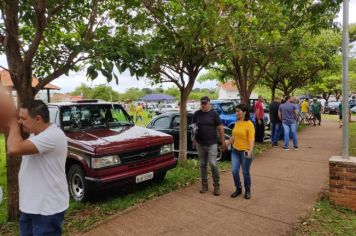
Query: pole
{"x": 345, "y": 85}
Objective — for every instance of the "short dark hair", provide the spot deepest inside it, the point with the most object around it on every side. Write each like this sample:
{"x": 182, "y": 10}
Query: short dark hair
{"x": 244, "y": 108}
{"x": 37, "y": 108}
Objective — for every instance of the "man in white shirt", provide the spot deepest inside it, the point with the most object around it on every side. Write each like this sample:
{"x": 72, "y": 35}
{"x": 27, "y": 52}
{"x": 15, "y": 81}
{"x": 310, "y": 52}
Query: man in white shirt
{"x": 43, "y": 186}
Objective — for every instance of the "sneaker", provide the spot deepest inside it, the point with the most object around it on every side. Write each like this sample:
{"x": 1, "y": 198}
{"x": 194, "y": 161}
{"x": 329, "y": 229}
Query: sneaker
{"x": 296, "y": 148}
{"x": 285, "y": 148}
{"x": 274, "y": 145}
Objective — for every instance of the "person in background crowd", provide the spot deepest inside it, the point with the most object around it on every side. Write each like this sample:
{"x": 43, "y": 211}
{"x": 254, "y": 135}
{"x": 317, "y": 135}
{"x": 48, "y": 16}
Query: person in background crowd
{"x": 160, "y": 107}
{"x": 275, "y": 121}
{"x": 206, "y": 141}
{"x": 295, "y": 100}
{"x": 322, "y": 103}
{"x": 43, "y": 188}
{"x": 139, "y": 113}
{"x": 304, "y": 109}
{"x": 132, "y": 107}
{"x": 316, "y": 111}
{"x": 242, "y": 141}
{"x": 288, "y": 114}
{"x": 259, "y": 114}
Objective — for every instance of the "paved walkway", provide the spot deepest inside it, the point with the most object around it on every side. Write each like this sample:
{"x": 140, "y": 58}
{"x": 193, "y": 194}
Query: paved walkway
{"x": 285, "y": 184}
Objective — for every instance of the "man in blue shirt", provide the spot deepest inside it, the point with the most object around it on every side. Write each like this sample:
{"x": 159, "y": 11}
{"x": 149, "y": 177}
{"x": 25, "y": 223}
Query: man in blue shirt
{"x": 288, "y": 114}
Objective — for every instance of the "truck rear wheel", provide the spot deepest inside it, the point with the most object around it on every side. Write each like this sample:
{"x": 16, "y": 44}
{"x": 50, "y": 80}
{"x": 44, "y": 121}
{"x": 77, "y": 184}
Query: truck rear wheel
{"x": 76, "y": 183}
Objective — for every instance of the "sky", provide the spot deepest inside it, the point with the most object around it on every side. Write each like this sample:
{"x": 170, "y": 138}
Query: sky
{"x": 69, "y": 83}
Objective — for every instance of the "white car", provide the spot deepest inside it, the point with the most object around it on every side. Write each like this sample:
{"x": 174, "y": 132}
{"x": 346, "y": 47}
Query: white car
{"x": 353, "y": 110}
{"x": 162, "y": 108}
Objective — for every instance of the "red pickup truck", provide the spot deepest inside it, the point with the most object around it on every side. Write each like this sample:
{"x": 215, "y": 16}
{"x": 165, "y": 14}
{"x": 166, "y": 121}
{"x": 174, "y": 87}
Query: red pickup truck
{"x": 106, "y": 149}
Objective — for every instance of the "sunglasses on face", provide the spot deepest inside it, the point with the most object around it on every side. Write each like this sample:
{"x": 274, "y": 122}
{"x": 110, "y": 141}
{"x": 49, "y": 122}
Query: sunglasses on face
{"x": 204, "y": 103}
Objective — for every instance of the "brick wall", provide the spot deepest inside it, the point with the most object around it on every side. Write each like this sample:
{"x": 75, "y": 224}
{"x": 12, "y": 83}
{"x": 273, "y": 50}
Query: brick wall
{"x": 342, "y": 183}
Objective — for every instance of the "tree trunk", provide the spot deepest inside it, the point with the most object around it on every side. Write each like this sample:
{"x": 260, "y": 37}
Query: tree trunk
{"x": 13, "y": 166}
{"x": 285, "y": 93}
{"x": 183, "y": 128}
{"x": 273, "y": 91}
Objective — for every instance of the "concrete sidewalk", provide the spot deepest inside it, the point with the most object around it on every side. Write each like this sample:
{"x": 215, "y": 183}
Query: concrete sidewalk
{"x": 285, "y": 184}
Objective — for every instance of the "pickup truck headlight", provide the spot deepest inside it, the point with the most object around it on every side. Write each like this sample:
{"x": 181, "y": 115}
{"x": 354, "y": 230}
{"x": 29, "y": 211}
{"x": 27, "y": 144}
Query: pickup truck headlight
{"x": 101, "y": 162}
{"x": 167, "y": 148}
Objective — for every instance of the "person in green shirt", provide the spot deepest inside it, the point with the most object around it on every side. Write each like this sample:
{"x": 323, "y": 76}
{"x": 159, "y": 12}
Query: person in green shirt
{"x": 316, "y": 109}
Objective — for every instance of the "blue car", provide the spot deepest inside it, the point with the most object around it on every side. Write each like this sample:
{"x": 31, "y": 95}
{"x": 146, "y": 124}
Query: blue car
{"x": 227, "y": 112}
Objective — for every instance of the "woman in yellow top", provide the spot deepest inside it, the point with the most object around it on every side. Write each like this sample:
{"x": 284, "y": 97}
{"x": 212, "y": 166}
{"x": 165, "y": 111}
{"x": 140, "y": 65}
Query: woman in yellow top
{"x": 242, "y": 140}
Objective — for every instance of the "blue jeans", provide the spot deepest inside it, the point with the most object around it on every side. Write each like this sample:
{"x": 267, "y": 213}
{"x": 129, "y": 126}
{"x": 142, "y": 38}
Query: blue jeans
{"x": 290, "y": 129}
{"x": 275, "y": 132}
{"x": 41, "y": 225}
{"x": 238, "y": 158}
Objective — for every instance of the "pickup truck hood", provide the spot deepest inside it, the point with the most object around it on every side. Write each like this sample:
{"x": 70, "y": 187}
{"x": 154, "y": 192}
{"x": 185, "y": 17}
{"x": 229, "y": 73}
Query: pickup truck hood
{"x": 109, "y": 141}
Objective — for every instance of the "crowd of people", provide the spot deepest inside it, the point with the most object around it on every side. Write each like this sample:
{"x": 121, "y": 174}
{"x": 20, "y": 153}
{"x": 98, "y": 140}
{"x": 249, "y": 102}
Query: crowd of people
{"x": 285, "y": 115}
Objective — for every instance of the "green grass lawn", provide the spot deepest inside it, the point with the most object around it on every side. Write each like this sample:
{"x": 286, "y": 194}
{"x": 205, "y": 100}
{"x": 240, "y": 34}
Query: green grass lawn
{"x": 327, "y": 219}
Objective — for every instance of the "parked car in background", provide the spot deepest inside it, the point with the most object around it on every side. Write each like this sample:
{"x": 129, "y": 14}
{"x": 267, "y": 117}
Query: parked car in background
{"x": 106, "y": 149}
{"x": 353, "y": 110}
{"x": 169, "y": 123}
{"x": 227, "y": 112}
{"x": 193, "y": 106}
{"x": 352, "y": 103}
{"x": 166, "y": 107}
{"x": 331, "y": 107}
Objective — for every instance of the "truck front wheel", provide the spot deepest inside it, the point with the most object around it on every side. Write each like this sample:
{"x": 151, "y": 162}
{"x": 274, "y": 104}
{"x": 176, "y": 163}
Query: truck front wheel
{"x": 76, "y": 183}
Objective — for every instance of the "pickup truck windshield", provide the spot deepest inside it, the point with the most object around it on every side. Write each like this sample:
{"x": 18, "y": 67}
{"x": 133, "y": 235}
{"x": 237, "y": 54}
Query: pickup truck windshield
{"x": 93, "y": 116}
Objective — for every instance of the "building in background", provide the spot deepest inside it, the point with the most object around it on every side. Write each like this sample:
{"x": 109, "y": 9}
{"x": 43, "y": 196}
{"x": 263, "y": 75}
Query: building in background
{"x": 229, "y": 91}
{"x": 6, "y": 82}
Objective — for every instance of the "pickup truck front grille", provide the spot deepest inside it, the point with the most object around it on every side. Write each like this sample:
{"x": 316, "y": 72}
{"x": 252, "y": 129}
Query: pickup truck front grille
{"x": 141, "y": 155}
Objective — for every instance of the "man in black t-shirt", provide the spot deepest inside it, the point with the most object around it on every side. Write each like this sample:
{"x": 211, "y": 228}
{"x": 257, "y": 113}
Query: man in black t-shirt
{"x": 206, "y": 142}
{"x": 275, "y": 121}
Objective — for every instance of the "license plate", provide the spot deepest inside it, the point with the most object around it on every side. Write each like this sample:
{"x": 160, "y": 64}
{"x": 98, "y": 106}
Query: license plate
{"x": 144, "y": 177}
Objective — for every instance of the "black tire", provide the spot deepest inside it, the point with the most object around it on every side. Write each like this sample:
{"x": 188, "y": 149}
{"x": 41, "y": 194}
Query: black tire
{"x": 76, "y": 183}
{"x": 159, "y": 177}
